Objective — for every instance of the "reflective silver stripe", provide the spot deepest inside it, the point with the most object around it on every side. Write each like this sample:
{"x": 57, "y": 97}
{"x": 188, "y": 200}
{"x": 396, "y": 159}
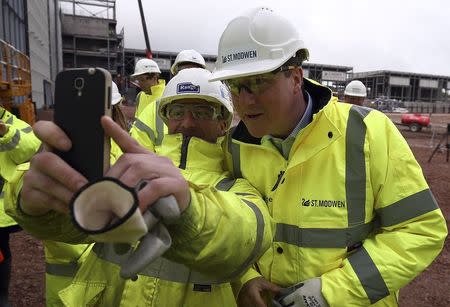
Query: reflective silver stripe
{"x": 159, "y": 125}
{"x": 407, "y": 208}
{"x": 245, "y": 194}
{"x": 225, "y": 184}
{"x": 256, "y": 252}
{"x": 368, "y": 275}
{"x": 9, "y": 121}
{"x": 11, "y": 144}
{"x": 67, "y": 270}
{"x": 27, "y": 129}
{"x": 323, "y": 237}
{"x": 160, "y": 268}
{"x": 2, "y": 194}
{"x": 143, "y": 127}
{"x": 235, "y": 152}
{"x": 355, "y": 166}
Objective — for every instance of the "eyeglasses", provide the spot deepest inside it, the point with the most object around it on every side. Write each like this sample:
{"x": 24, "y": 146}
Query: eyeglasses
{"x": 199, "y": 111}
{"x": 254, "y": 84}
{"x": 142, "y": 78}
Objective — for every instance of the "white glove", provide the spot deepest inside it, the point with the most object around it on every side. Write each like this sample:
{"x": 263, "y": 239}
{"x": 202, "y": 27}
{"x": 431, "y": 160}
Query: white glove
{"x": 304, "y": 294}
{"x": 109, "y": 211}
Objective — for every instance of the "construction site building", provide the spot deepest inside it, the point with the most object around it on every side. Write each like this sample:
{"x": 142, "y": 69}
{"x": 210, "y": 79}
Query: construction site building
{"x": 405, "y": 86}
{"x": 89, "y": 35}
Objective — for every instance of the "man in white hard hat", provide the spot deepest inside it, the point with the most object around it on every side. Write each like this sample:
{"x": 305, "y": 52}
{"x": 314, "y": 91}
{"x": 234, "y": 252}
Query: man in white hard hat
{"x": 146, "y": 75}
{"x": 187, "y": 59}
{"x": 355, "y": 218}
{"x": 355, "y": 93}
{"x": 205, "y": 238}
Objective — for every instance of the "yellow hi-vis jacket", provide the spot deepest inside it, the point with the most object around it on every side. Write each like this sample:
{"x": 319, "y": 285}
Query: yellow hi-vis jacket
{"x": 350, "y": 204}
{"x": 17, "y": 146}
{"x": 143, "y": 100}
{"x": 166, "y": 282}
{"x": 206, "y": 239}
{"x": 62, "y": 261}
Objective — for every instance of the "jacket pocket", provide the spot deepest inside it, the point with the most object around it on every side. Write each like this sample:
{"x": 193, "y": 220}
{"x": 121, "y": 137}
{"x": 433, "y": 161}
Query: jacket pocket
{"x": 83, "y": 294}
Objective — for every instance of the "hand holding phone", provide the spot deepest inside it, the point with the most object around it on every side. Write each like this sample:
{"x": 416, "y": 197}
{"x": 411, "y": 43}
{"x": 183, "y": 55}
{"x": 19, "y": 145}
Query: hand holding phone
{"x": 82, "y": 97}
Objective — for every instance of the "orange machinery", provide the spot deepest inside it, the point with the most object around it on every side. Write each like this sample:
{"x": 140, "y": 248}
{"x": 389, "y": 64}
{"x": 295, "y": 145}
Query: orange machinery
{"x": 15, "y": 82}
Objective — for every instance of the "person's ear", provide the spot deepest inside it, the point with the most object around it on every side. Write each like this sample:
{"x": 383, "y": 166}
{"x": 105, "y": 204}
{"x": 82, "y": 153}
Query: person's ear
{"x": 222, "y": 127}
{"x": 297, "y": 77}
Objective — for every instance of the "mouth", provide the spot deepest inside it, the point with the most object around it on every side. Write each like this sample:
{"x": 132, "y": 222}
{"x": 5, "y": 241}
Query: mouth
{"x": 253, "y": 116}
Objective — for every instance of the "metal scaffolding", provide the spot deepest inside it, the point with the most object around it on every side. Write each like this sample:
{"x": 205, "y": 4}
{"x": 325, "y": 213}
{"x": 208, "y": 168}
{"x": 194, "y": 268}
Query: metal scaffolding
{"x": 89, "y": 35}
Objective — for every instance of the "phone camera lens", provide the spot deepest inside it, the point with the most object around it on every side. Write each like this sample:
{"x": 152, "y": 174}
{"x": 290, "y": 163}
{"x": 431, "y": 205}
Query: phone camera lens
{"x": 79, "y": 83}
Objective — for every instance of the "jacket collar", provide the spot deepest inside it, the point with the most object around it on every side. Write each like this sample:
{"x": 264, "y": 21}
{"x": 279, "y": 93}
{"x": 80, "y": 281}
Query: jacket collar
{"x": 200, "y": 154}
{"x": 320, "y": 96}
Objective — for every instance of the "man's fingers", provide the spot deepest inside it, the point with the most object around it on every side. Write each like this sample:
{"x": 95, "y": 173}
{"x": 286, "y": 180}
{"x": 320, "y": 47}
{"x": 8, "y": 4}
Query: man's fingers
{"x": 38, "y": 181}
{"x": 271, "y": 287}
{"x": 35, "y": 202}
{"x": 53, "y": 166}
{"x": 121, "y": 137}
{"x": 53, "y": 136}
{"x": 161, "y": 187}
{"x": 251, "y": 298}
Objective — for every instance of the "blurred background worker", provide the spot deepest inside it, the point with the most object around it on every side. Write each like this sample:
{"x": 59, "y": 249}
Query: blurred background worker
{"x": 17, "y": 145}
{"x": 355, "y": 93}
{"x": 116, "y": 102}
{"x": 119, "y": 118}
{"x": 187, "y": 59}
{"x": 146, "y": 76}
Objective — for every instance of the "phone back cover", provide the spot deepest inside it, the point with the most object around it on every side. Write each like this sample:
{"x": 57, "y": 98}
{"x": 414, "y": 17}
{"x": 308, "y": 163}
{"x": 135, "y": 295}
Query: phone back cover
{"x": 79, "y": 117}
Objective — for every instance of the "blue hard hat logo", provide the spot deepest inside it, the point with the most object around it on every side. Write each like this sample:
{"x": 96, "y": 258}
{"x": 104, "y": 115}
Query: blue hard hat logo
{"x": 187, "y": 87}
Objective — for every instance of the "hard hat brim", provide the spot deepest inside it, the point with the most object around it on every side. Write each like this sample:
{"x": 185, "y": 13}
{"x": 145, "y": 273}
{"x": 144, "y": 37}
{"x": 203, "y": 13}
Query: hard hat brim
{"x": 245, "y": 70}
{"x": 115, "y": 99}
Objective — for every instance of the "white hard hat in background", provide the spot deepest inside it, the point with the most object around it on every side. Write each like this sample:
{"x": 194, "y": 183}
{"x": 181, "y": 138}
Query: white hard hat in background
{"x": 256, "y": 42}
{"x": 194, "y": 83}
{"x": 355, "y": 88}
{"x": 187, "y": 56}
{"x": 115, "y": 94}
{"x": 145, "y": 66}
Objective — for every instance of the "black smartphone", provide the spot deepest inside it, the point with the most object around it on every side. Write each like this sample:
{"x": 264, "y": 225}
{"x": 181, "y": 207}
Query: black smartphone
{"x": 82, "y": 97}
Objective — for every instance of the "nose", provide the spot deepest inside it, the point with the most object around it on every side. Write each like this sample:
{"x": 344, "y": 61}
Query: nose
{"x": 188, "y": 120}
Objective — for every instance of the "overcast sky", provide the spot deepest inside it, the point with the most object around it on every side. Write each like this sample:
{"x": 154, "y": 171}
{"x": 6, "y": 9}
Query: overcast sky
{"x": 401, "y": 35}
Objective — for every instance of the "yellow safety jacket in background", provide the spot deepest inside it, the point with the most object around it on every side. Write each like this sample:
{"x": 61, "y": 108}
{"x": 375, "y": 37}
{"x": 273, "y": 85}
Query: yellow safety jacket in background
{"x": 350, "y": 204}
{"x": 143, "y": 99}
{"x": 17, "y": 146}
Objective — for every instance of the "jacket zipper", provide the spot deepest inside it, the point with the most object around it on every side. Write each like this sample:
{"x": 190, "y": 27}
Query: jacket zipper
{"x": 184, "y": 151}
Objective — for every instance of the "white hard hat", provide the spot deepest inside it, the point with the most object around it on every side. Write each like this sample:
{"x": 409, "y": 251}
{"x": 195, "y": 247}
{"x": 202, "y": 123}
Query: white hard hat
{"x": 194, "y": 83}
{"x": 115, "y": 94}
{"x": 187, "y": 56}
{"x": 256, "y": 42}
{"x": 145, "y": 66}
{"x": 355, "y": 88}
